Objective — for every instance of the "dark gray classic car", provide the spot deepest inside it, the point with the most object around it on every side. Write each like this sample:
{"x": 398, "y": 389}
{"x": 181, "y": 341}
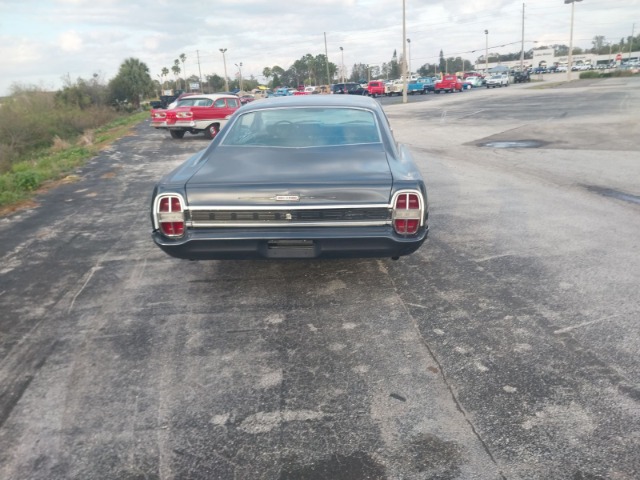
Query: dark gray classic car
{"x": 295, "y": 177}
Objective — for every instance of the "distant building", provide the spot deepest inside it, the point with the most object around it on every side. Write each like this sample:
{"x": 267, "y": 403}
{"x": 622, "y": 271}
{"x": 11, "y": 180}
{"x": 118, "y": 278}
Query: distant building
{"x": 546, "y": 57}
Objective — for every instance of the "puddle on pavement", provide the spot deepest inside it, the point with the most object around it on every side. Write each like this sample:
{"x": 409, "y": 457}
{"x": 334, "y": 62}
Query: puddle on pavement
{"x": 513, "y": 144}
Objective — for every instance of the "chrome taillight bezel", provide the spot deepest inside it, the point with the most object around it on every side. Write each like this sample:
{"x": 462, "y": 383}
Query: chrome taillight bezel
{"x": 406, "y": 215}
{"x": 175, "y": 217}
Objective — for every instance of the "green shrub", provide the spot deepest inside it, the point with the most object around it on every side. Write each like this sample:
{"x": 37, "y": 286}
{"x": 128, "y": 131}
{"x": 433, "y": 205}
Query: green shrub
{"x": 590, "y": 74}
{"x": 27, "y": 180}
{"x": 27, "y": 172}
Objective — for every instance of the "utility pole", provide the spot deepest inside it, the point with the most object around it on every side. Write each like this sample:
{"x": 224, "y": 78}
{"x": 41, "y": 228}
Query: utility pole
{"x": 199, "y": 71}
{"x": 326, "y": 54}
{"x": 404, "y": 54}
{"x": 522, "y": 46}
{"x": 486, "y": 52}
{"x": 633, "y": 30}
{"x": 570, "y": 58}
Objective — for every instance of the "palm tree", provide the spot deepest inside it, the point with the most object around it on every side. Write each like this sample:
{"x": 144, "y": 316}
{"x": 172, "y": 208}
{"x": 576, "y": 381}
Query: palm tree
{"x": 165, "y": 72}
{"x": 132, "y": 82}
{"x": 176, "y": 70}
{"x": 183, "y": 58}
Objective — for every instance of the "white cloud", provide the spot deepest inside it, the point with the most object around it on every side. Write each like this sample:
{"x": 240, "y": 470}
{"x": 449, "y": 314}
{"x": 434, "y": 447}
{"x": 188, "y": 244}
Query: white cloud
{"x": 78, "y": 37}
{"x": 70, "y": 41}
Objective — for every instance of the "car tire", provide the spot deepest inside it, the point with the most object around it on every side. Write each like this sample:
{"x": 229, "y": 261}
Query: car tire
{"x": 211, "y": 131}
{"x": 177, "y": 134}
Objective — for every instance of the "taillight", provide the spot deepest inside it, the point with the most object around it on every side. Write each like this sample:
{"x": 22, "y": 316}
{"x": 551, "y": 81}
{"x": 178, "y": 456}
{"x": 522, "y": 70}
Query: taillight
{"x": 407, "y": 213}
{"x": 171, "y": 216}
{"x": 184, "y": 115}
{"x": 159, "y": 115}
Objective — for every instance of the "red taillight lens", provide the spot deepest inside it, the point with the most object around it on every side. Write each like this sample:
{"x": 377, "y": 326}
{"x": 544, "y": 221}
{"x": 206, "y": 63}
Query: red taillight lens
{"x": 171, "y": 216}
{"x": 407, "y": 213}
{"x": 173, "y": 229}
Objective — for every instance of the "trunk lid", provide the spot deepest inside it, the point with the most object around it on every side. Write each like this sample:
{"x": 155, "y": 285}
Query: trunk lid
{"x": 245, "y": 176}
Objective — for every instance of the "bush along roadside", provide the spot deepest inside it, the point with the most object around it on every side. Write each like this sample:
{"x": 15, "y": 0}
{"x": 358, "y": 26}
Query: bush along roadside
{"x": 596, "y": 74}
{"x": 25, "y": 177}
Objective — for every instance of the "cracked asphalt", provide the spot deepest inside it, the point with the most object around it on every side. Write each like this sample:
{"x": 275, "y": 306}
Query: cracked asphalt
{"x": 505, "y": 348}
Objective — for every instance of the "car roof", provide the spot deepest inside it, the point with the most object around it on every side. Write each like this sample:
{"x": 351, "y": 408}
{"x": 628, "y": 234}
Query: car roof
{"x": 211, "y": 96}
{"x": 348, "y": 101}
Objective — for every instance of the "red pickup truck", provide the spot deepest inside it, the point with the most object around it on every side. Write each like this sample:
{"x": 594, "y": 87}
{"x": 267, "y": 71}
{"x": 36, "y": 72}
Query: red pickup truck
{"x": 377, "y": 87}
{"x": 448, "y": 83}
{"x": 196, "y": 114}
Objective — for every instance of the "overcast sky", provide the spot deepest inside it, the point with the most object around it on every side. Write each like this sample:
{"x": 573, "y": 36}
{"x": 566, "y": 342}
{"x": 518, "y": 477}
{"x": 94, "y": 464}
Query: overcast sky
{"x": 43, "y": 41}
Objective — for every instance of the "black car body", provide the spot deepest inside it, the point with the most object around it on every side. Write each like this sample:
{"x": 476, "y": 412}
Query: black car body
{"x": 350, "y": 88}
{"x": 295, "y": 177}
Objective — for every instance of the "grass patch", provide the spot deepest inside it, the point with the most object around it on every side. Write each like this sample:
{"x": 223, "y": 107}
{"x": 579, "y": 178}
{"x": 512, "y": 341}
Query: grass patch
{"x": 28, "y": 175}
{"x": 547, "y": 85}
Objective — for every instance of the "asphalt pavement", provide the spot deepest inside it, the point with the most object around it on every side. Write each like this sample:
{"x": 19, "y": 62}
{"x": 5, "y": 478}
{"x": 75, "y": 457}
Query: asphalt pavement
{"x": 505, "y": 348}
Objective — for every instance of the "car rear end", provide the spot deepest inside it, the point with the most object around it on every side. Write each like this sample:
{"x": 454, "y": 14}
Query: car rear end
{"x": 340, "y": 198}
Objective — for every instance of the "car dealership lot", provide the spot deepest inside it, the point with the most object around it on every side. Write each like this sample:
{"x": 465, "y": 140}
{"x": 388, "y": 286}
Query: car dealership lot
{"x": 506, "y": 347}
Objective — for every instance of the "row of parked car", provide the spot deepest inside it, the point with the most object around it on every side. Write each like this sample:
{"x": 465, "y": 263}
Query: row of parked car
{"x": 197, "y": 113}
{"x": 421, "y": 85}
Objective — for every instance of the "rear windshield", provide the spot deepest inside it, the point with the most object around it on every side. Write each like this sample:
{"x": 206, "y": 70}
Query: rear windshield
{"x": 303, "y": 127}
{"x": 195, "y": 102}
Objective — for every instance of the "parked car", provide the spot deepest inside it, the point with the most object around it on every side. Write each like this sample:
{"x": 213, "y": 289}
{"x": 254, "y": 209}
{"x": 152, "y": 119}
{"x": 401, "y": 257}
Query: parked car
{"x": 498, "y": 80}
{"x": 396, "y": 87}
{"x": 428, "y": 85}
{"x": 377, "y": 87}
{"x": 350, "y": 88}
{"x": 521, "y": 77}
{"x": 196, "y": 114}
{"x": 448, "y": 83}
{"x": 473, "y": 81}
{"x": 284, "y": 92}
{"x": 247, "y": 98}
{"x": 419, "y": 85}
{"x": 316, "y": 176}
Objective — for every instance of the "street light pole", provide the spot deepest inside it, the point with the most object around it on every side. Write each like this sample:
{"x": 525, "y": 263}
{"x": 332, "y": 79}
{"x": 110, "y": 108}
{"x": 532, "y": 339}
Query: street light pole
{"x": 570, "y": 57}
{"x": 342, "y": 63}
{"x": 486, "y": 52}
{"x": 224, "y": 61}
{"x": 240, "y": 72}
{"x": 409, "y": 42}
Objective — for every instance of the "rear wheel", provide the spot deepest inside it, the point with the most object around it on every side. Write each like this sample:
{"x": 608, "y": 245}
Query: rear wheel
{"x": 176, "y": 133}
{"x": 212, "y": 130}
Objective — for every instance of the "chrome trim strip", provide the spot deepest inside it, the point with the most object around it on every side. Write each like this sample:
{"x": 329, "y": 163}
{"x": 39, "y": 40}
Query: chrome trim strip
{"x": 268, "y": 224}
{"x": 291, "y": 207}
